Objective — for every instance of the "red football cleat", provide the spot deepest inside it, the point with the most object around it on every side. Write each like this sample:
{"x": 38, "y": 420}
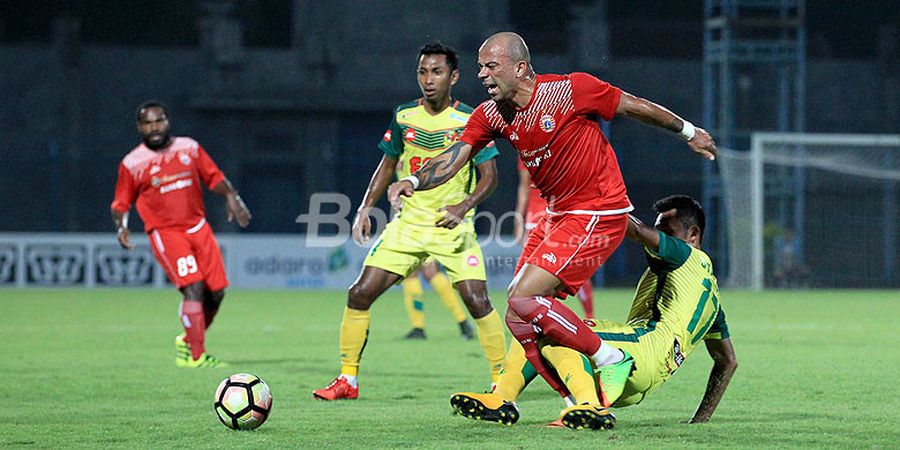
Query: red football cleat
{"x": 339, "y": 389}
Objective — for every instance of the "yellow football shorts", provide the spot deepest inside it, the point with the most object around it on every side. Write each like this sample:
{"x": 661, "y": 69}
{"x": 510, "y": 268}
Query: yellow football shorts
{"x": 402, "y": 247}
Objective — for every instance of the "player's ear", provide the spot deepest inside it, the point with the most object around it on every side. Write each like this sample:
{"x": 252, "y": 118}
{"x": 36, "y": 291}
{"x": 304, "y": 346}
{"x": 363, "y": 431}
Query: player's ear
{"x": 454, "y": 77}
{"x": 694, "y": 235}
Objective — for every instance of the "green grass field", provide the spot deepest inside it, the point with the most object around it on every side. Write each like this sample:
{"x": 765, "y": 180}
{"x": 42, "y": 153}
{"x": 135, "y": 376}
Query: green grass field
{"x": 95, "y": 369}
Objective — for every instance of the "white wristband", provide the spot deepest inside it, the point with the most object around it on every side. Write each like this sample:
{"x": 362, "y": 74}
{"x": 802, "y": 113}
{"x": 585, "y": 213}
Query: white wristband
{"x": 412, "y": 179}
{"x": 687, "y": 130}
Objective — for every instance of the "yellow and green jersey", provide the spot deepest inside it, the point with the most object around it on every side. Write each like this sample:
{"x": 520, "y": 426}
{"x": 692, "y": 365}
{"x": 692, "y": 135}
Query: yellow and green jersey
{"x": 676, "y": 306}
{"x": 415, "y": 136}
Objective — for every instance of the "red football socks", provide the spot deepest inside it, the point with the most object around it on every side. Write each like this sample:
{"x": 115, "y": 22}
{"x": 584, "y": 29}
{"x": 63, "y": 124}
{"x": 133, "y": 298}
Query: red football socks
{"x": 557, "y": 322}
{"x": 525, "y": 333}
{"x": 194, "y": 322}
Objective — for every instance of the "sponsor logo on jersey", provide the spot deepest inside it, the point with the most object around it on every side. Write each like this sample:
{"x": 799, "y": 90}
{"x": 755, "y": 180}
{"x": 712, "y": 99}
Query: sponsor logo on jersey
{"x": 473, "y": 261}
{"x": 185, "y": 159}
{"x": 514, "y": 136}
{"x": 180, "y": 184}
{"x": 550, "y": 257}
{"x": 547, "y": 123}
{"x": 387, "y": 136}
{"x": 154, "y": 170}
{"x": 410, "y": 134}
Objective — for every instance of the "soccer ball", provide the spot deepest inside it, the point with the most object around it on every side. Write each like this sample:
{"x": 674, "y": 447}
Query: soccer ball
{"x": 243, "y": 401}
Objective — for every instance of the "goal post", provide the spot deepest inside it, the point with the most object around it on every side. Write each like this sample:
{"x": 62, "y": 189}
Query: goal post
{"x": 778, "y": 195}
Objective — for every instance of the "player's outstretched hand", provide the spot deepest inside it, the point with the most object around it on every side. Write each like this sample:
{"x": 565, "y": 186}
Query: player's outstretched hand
{"x": 703, "y": 144}
{"x": 453, "y": 217}
{"x": 362, "y": 226}
{"x": 122, "y": 237}
{"x": 399, "y": 188}
{"x": 237, "y": 210}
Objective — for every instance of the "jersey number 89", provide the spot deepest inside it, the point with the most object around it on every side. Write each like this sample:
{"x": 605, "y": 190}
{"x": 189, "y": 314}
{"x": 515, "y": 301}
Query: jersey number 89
{"x": 186, "y": 265}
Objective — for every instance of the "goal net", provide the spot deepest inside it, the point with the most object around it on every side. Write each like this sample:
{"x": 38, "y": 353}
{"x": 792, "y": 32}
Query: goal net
{"x": 813, "y": 211}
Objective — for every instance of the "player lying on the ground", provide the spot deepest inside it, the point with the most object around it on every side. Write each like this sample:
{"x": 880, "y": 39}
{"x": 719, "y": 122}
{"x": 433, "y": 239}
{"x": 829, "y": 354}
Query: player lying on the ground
{"x": 676, "y": 305}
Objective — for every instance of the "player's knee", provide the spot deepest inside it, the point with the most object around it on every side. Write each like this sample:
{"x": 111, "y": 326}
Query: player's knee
{"x": 475, "y": 297}
{"x": 193, "y": 291}
{"x": 522, "y": 306}
{"x": 361, "y": 296}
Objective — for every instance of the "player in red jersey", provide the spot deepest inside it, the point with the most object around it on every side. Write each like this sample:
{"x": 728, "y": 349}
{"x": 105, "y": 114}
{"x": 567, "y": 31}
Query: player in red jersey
{"x": 162, "y": 175}
{"x": 551, "y": 120}
{"x": 530, "y": 209}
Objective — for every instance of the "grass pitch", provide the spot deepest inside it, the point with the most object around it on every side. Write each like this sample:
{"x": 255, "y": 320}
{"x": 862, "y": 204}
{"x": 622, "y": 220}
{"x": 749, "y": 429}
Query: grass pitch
{"x": 95, "y": 369}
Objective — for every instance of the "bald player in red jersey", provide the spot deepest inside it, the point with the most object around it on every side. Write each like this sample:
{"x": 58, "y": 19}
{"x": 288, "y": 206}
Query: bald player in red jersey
{"x": 552, "y": 121}
{"x": 163, "y": 177}
{"x": 530, "y": 209}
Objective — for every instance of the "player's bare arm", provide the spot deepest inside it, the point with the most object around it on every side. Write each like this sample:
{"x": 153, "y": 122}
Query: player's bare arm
{"x": 487, "y": 182}
{"x": 433, "y": 174}
{"x": 724, "y": 365}
{"x": 522, "y": 203}
{"x": 652, "y": 114}
{"x": 237, "y": 210}
{"x": 639, "y": 232}
{"x": 362, "y": 224}
{"x": 122, "y": 233}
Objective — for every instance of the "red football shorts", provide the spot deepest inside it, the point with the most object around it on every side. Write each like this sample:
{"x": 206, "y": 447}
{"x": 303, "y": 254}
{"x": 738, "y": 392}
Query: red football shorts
{"x": 573, "y": 246}
{"x": 190, "y": 256}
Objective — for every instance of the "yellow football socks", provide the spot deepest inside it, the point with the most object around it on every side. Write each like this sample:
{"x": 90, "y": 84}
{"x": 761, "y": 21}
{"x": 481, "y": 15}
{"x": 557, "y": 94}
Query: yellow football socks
{"x": 354, "y": 333}
{"x": 575, "y": 370}
{"x": 412, "y": 298}
{"x": 517, "y": 372}
{"x": 493, "y": 341}
{"x": 441, "y": 284}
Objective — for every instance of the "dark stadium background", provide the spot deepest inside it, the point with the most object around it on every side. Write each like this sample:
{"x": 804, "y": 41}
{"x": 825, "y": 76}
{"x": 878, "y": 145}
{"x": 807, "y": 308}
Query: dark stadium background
{"x": 299, "y": 99}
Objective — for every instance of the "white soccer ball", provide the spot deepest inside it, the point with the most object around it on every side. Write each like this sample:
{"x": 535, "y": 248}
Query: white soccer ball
{"x": 243, "y": 401}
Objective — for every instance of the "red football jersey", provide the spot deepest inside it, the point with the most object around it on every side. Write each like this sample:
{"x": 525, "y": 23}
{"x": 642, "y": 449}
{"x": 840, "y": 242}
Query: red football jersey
{"x": 558, "y": 138}
{"x": 166, "y": 184}
{"x": 537, "y": 206}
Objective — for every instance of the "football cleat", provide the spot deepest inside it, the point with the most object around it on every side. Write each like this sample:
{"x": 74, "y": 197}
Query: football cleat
{"x": 415, "y": 333}
{"x": 339, "y": 389}
{"x": 613, "y": 378}
{"x": 489, "y": 407}
{"x": 205, "y": 360}
{"x": 182, "y": 351}
{"x": 465, "y": 330}
{"x": 593, "y": 417}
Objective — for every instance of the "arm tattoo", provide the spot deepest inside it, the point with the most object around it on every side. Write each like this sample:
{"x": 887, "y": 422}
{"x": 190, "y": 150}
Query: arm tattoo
{"x": 441, "y": 168}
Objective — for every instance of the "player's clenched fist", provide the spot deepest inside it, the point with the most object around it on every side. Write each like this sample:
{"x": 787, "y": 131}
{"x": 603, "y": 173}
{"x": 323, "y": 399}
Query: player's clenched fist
{"x": 399, "y": 188}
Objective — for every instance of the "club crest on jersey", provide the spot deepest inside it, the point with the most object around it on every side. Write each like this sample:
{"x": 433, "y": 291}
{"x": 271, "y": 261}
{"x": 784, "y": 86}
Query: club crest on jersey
{"x": 387, "y": 136}
{"x": 154, "y": 170}
{"x": 547, "y": 123}
{"x": 185, "y": 159}
{"x": 550, "y": 257}
{"x": 410, "y": 135}
{"x": 473, "y": 261}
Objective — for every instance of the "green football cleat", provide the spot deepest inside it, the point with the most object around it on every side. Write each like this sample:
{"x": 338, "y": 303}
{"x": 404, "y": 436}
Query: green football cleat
{"x": 490, "y": 407}
{"x": 592, "y": 417}
{"x": 182, "y": 351}
{"x": 205, "y": 360}
{"x": 613, "y": 378}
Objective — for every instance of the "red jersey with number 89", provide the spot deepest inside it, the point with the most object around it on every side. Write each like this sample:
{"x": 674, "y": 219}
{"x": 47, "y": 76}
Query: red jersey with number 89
{"x": 558, "y": 138}
{"x": 166, "y": 184}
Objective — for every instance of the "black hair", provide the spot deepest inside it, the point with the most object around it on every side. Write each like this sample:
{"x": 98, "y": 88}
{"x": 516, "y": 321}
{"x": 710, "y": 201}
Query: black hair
{"x": 689, "y": 211}
{"x": 437, "y": 48}
{"x": 150, "y": 104}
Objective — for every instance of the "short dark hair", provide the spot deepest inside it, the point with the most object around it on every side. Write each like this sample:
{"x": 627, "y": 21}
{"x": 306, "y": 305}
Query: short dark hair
{"x": 150, "y": 104}
{"x": 690, "y": 213}
{"x": 437, "y": 48}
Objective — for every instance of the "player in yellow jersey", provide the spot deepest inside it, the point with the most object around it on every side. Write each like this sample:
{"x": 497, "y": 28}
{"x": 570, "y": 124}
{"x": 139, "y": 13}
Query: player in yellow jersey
{"x": 676, "y": 306}
{"x": 437, "y": 223}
